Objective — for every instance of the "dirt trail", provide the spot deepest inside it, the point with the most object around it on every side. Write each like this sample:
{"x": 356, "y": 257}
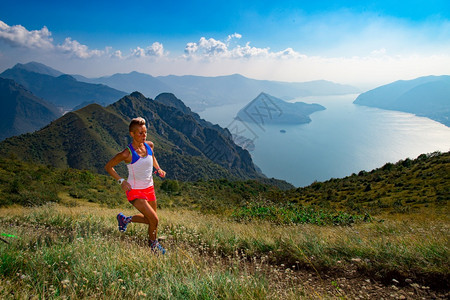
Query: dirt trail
{"x": 345, "y": 283}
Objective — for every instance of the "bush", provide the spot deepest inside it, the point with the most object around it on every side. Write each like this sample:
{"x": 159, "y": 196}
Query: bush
{"x": 170, "y": 186}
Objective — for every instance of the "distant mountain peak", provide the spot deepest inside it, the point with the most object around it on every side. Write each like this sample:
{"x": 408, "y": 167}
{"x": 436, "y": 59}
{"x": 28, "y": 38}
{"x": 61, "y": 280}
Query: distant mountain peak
{"x": 137, "y": 95}
{"x": 171, "y": 100}
{"x": 38, "y": 68}
{"x": 67, "y": 77}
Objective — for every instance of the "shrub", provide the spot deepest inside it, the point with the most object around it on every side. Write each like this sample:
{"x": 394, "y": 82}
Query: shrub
{"x": 170, "y": 186}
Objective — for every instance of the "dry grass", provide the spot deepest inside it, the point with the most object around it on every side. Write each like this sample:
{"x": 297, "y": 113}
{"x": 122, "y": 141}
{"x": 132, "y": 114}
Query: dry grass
{"x": 78, "y": 252}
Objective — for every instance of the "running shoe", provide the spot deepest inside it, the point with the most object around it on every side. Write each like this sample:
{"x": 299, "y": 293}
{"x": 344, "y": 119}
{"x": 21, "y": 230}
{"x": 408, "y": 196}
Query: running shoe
{"x": 157, "y": 248}
{"x": 123, "y": 222}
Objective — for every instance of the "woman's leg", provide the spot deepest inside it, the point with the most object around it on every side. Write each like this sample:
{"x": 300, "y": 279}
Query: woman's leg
{"x": 147, "y": 216}
{"x": 140, "y": 218}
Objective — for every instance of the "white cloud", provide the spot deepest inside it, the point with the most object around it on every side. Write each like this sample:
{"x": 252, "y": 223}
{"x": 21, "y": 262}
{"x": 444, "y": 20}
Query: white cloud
{"x": 212, "y": 48}
{"x": 247, "y": 52}
{"x": 76, "y": 49}
{"x": 138, "y": 52}
{"x": 234, "y": 36}
{"x": 378, "y": 52}
{"x": 117, "y": 54}
{"x": 19, "y": 36}
{"x": 289, "y": 53}
{"x": 206, "y": 48}
{"x": 190, "y": 49}
{"x": 155, "y": 50}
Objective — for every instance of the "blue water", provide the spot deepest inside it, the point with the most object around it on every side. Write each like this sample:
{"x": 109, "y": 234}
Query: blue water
{"x": 341, "y": 140}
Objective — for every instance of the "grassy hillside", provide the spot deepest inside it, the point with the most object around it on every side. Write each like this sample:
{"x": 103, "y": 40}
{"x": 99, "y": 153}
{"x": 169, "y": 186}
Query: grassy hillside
{"x": 403, "y": 187}
{"x": 56, "y": 251}
{"x": 406, "y": 186}
{"x": 228, "y": 239}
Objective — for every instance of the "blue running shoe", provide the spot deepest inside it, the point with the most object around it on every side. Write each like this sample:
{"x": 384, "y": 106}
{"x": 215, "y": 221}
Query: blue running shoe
{"x": 157, "y": 248}
{"x": 123, "y": 222}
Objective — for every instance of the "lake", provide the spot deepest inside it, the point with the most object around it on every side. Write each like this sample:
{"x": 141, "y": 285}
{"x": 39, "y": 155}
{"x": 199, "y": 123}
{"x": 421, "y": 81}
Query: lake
{"x": 341, "y": 140}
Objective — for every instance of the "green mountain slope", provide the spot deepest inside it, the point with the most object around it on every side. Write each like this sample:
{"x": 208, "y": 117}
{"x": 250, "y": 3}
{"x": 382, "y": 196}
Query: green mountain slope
{"x": 186, "y": 147}
{"x": 408, "y": 185}
{"x": 22, "y": 111}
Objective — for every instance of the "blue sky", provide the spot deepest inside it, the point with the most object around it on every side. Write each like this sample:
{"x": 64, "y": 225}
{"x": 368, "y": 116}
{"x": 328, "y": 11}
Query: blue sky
{"x": 358, "y": 42}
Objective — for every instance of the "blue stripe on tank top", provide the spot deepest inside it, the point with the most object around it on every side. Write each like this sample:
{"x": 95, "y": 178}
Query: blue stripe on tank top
{"x": 134, "y": 156}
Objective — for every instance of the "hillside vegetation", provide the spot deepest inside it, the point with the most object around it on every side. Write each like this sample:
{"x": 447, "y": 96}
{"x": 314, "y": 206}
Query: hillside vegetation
{"x": 406, "y": 186}
{"x": 228, "y": 239}
{"x": 188, "y": 147}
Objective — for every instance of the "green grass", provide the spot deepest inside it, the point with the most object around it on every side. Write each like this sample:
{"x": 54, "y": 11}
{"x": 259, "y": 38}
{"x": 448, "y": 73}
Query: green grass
{"x": 209, "y": 256}
{"x": 225, "y": 238}
{"x": 64, "y": 252}
{"x": 404, "y": 187}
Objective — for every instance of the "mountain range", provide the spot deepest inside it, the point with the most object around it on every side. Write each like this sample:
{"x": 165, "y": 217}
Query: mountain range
{"x": 427, "y": 96}
{"x": 62, "y": 90}
{"x": 200, "y": 92}
{"x": 187, "y": 147}
{"x": 22, "y": 111}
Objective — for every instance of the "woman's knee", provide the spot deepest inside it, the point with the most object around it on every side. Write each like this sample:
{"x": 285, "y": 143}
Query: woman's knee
{"x": 153, "y": 219}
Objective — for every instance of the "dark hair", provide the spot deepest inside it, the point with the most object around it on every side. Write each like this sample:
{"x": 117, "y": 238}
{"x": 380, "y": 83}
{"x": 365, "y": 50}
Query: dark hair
{"x": 135, "y": 123}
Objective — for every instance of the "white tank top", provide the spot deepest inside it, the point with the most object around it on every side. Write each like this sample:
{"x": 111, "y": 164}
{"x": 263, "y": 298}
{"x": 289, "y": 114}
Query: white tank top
{"x": 140, "y": 169}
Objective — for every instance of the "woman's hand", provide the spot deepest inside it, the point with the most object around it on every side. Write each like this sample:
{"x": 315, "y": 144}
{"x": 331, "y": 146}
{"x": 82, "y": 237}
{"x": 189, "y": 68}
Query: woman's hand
{"x": 161, "y": 173}
{"x": 125, "y": 186}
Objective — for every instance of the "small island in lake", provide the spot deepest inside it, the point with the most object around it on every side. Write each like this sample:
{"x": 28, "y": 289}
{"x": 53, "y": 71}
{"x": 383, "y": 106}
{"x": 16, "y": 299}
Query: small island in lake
{"x": 266, "y": 109}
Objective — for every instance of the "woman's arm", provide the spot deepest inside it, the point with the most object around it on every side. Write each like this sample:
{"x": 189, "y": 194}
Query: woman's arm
{"x": 160, "y": 171}
{"x": 109, "y": 167}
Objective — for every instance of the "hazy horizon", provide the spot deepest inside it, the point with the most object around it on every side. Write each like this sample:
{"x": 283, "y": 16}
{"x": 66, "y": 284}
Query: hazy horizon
{"x": 364, "y": 44}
